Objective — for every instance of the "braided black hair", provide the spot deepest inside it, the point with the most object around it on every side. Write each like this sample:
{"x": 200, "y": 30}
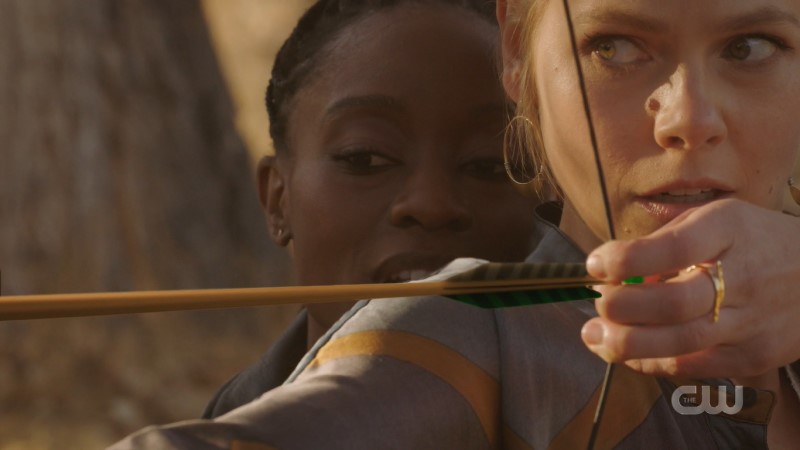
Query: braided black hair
{"x": 300, "y": 54}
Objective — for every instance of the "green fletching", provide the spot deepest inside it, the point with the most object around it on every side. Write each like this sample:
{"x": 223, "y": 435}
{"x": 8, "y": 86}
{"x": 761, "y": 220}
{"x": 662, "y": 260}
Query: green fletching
{"x": 522, "y": 271}
{"x": 491, "y": 300}
{"x": 634, "y": 280}
{"x": 559, "y": 273}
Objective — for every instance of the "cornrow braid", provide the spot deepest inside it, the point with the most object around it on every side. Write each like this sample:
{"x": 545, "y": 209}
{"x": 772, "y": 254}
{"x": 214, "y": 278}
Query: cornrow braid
{"x": 300, "y": 54}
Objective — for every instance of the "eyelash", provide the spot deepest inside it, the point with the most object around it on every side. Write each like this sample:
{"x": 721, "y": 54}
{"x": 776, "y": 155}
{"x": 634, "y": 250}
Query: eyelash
{"x": 347, "y": 158}
{"x": 487, "y": 169}
{"x": 780, "y": 44}
{"x": 591, "y": 44}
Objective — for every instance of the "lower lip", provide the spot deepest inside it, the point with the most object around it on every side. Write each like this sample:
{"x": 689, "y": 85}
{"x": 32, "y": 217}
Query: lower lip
{"x": 666, "y": 211}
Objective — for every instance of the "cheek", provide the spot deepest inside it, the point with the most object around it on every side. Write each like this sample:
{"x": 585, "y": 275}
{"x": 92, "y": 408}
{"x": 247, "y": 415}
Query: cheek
{"x": 766, "y": 177}
{"x": 328, "y": 213}
{"x": 329, "y": 222}
{"x": 767, "y": 153}
{"x": 565, "y": 133}
{"x": 767, "y": 133}
{"x": 569, "y": 148}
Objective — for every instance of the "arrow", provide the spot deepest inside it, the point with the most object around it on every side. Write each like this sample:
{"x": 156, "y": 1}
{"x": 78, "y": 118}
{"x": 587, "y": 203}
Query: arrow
{"x": 490, "y": 285}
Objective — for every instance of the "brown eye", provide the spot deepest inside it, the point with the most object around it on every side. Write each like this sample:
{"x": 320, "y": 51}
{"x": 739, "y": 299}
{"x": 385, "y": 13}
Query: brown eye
{"x": 606, "y": 50}
{"x": 367, "y": 160}
{"x": 751, "y": 49}
{"x": 363, "y": 162}
{"x": 618, "y": 51}
{"x": 489, "y": 169}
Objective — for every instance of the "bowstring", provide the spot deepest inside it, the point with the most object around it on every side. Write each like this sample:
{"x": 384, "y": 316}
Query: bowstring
{"x": 598, "y": 414}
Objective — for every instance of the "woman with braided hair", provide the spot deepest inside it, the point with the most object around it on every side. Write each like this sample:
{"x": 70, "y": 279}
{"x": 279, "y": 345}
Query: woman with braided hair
{"x": 670, "y": 130}
{"x": 388, "y": 157}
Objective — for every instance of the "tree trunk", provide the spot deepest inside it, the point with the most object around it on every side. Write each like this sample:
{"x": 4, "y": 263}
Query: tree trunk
{"x": 120, "y": 170}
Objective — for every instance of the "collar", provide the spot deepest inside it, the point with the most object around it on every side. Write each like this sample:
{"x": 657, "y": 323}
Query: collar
{"x": 555, "y": 246}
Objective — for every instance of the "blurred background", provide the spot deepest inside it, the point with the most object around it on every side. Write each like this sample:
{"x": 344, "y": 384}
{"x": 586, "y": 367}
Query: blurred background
{"x": 128, "y": 132}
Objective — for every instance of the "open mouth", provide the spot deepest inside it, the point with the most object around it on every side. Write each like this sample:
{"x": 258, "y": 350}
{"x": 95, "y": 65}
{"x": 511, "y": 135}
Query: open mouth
{"x": 668, "y": 202}
{"x": 410, "y": 266}
{"x": 686, "y": 196}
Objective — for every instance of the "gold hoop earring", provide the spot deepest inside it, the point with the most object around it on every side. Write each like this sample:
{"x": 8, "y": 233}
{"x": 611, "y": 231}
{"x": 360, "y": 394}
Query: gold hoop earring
{"x": 517, "y": 165}
{"x": 794, "y": 190}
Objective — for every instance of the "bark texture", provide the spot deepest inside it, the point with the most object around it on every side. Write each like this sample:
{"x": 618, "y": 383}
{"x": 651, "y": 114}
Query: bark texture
{"x": 120, "y": 169}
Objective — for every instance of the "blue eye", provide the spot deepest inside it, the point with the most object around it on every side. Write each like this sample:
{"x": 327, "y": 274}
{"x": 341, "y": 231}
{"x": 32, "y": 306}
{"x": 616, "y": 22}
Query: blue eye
{"x": 617, "y": 50}
{"x": 751, "y": 49}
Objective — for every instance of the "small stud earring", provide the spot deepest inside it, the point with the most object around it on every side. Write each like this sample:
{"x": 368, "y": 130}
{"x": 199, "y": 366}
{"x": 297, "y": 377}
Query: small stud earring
{"x": 283, "y": 236}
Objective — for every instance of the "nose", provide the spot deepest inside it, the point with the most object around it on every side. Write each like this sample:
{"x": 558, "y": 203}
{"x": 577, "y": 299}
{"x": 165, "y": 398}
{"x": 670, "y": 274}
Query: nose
{"x": 431, "y": 199}
{"x": 686, "y": 114}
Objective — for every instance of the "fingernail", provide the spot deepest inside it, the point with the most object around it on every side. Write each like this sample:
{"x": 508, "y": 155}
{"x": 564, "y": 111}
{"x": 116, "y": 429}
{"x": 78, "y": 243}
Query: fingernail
{"x": 592, "y": 333}
{"x": 596, "y": 266}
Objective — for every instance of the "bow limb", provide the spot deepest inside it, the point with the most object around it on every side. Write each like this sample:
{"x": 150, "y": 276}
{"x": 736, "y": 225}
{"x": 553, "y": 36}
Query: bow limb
{"x": 606, "y": 205}
{"x": 513, "y": 80}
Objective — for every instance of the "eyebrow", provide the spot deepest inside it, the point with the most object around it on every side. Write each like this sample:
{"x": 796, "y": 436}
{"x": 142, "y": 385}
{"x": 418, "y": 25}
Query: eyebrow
{"x": 384, "y": 102}
{"x": 761, "y": 16}
{"x": 388, "y": 103}
{"x": 620, "y": 17}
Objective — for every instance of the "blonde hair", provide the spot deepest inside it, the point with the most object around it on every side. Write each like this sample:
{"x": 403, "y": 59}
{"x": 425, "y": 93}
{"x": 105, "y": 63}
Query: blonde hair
{"x": 527, "y": 138}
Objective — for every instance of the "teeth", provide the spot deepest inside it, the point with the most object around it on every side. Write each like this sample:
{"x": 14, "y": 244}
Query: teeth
{"x": 409, "y": 275}
{"x": 681, "y": 192}
{"x": 686, "y": 196}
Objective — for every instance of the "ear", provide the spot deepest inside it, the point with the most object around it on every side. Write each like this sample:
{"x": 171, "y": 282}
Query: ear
{"x": 272, "y": 194}
{"x": 511, "y": 42}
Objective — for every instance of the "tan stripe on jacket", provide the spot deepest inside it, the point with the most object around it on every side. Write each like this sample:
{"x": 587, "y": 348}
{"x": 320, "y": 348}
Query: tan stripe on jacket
{"x": 477, "y": 387}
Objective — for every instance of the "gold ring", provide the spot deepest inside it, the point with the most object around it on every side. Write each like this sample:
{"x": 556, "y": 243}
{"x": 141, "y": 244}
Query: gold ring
{"x": 717, "y": 278}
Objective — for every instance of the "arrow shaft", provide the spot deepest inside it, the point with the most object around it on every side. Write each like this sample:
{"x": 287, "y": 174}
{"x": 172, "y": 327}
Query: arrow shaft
{"x": 106, "y": 303}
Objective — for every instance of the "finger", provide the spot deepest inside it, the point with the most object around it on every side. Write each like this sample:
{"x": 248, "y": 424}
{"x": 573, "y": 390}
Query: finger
{"x": 681, "y": 299}
{"x": 617, "y": 343}
{"x": 701, "y": 235}
{"x": 719, "y": 362}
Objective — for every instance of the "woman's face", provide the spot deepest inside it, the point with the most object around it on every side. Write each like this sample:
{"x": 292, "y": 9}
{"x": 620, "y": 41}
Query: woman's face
{"x": 692, "y": 101}
{"x": 395, "y": 163}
